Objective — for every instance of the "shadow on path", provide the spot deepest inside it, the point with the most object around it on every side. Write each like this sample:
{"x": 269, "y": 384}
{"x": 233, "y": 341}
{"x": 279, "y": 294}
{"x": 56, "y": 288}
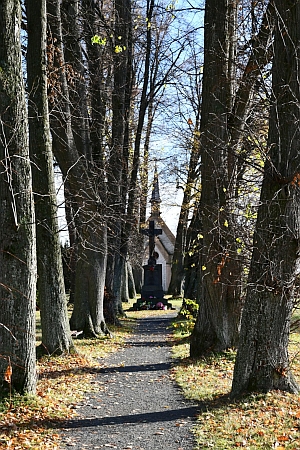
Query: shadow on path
{"x": 153, "y": 417}
{"x": 139, "y": 368}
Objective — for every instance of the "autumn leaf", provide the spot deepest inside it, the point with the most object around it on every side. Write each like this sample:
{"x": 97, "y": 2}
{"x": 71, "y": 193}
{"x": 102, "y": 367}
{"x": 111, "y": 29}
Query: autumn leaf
{"x": 8, "y": 373}
{"x": 62, "y": 383}
{"x": 282, "y": 438}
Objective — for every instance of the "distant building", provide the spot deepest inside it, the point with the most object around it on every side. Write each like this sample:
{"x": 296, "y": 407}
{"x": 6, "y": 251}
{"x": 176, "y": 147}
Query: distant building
{"x": 165, "y": 242}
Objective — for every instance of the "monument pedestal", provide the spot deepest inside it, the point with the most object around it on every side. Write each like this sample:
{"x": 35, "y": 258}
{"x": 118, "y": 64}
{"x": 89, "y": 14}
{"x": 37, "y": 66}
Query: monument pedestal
{"x": 152, "y": 291}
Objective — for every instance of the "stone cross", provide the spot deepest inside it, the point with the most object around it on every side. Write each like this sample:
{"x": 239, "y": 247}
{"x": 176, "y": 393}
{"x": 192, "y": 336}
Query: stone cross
{"x": 151, "y": 232}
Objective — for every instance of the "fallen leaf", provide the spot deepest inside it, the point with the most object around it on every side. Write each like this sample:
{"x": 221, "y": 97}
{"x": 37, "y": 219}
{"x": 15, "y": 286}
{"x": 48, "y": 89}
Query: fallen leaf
{"x": 8, "y": 374}
{"x": 282, "y": 438}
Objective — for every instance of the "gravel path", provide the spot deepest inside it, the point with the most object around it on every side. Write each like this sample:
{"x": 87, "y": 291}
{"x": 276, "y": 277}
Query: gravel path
{"x": 138, "y": 406}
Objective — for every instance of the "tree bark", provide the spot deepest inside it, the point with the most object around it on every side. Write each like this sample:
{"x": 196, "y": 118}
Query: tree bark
{"x": 87, "y": 203}
{"x": 217, "y": 324}
{"x": 76, "y": 77}
{"x": 118, "y": 162}
{"x": 193, "y": 247}
{"x": 56, "y": 337}
{"x": 17, "y": 222}
{"x": 224, "y": 113}
{"x": 262, "y": 362}
{"x": 178, "y": 261}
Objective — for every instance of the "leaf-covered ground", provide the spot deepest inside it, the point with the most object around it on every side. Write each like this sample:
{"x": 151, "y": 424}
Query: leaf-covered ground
{"x": 27, "y": 422}
{"x": 270, "y": 421}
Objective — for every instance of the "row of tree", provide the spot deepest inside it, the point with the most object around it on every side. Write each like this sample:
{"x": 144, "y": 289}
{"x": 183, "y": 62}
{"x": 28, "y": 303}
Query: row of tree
{"x": 256, "y": 315}
{"x": 98, "y": 74}
{"x": 81, "y": 82}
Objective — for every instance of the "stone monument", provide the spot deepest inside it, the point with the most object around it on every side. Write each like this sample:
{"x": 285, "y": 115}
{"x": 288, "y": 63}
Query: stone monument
{"x": 152, "y": 291}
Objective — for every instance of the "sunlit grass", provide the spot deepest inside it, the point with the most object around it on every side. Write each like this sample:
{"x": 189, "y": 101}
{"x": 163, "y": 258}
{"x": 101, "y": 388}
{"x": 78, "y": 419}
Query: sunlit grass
{"x": 270, "y": 421}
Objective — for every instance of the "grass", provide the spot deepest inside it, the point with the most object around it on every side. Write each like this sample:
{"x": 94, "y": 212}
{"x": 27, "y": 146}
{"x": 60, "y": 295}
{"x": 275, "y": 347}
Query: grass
{"x": 270, "y": 421}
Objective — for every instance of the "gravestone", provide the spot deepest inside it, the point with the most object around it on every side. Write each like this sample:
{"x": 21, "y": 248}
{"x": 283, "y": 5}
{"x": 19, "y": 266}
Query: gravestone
{"x": 152, "y": 290}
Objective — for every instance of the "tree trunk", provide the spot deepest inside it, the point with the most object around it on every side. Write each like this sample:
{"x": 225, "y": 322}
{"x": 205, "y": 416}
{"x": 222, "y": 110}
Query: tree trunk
{"x": 193, "y": 247}
{"x": 73, "y": 237}
{"x": 88, "y": 207}
{"x": 125, "y": 285}
{"x": 262, "y": 362}
{"x": 178, "y": 261}
{"x": 217, "y": 323}
{"x": 17, "y": 229}
{"x": 260, "y": 56}
{"x": 76, "y": 77}
{"x": 88, "y": 315}
{"x": 99, "y": 62}
{"x": 56, "y": 337}
{"x": 118, "y": 163}
{"x": 131, "y": 282}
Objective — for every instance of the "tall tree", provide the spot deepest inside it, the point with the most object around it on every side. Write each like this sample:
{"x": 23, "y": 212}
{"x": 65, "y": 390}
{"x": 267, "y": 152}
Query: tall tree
{"x": 56, "y": 337}
{"x": 78, "y": 95}
{"x": 86, "y": 201}
{"x": 189, "y": 91}
{"x": 223, "y": 119}
{"x": 17, "y": 229}
{"x": 218, "y": 319}
{"x": 117, "y": 172}
{"x": 262, "y": 361}
{"x": 97, "y": 22}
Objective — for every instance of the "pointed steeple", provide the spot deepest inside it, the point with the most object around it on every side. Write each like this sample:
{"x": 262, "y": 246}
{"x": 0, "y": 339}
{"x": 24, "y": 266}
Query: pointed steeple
{"x": 155, "y": 198}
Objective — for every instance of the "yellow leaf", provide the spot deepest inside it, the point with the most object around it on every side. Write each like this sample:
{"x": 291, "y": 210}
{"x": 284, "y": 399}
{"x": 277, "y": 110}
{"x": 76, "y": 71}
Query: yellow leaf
{"x": 226, "y": 223}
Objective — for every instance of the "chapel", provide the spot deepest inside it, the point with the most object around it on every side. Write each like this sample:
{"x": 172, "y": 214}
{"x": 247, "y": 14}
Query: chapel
{"x": 164, "y": 242}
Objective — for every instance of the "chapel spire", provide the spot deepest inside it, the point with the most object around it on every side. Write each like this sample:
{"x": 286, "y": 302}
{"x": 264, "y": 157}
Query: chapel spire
{"x": 155, "y": 198}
